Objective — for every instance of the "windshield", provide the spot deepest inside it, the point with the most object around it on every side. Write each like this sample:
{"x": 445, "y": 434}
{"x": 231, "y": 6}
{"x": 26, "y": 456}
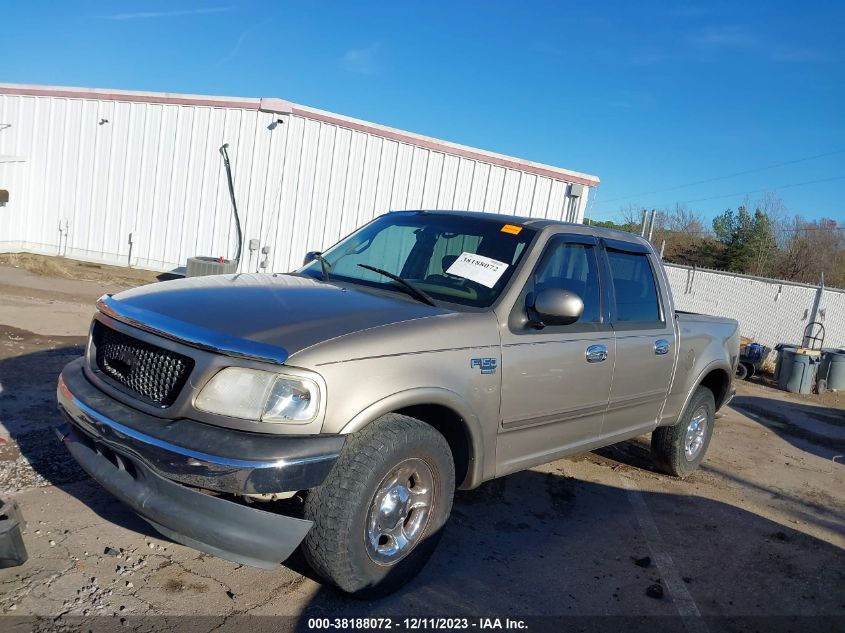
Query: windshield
{"x": 458, "y": 259}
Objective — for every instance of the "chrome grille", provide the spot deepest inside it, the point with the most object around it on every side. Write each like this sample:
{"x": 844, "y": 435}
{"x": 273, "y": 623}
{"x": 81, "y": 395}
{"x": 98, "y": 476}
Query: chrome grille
{"x": 153, "y": 373}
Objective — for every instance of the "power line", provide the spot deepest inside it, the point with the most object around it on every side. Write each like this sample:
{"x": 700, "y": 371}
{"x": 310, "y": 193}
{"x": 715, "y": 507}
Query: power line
{"x": 734, "y": 175}
{"x": 742, "y": 193}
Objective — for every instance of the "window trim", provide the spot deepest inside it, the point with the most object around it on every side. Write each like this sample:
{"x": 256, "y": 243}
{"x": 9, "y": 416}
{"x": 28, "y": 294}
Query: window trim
{"x": 632, "y": 248}
{"x": 517, "y": 316}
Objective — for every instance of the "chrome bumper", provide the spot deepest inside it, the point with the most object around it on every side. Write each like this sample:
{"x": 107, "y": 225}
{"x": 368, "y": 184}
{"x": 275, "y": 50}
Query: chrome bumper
{"x": 208, "y": 523}
{"x": 193, "y": 453}
{"x": 144, "y": 461}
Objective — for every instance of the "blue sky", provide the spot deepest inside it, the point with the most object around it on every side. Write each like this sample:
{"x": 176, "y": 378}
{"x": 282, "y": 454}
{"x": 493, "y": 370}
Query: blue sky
{"x": 648, "y": 96}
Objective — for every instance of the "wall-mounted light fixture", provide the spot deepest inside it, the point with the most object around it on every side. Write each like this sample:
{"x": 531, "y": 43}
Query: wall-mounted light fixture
{"x": 103, "y": 121}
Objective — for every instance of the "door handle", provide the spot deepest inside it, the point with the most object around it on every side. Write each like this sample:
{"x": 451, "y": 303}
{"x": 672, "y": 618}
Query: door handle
{"x": 661, "y": 346}
{"x": 596, "y": 353}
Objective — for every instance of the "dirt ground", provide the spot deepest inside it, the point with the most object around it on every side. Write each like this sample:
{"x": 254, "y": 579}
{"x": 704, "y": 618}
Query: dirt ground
{"x": 758, "y": 531}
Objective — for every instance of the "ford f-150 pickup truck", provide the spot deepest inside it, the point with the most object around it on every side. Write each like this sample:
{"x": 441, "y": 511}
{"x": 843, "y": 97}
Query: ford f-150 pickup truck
{"x": 340, "y": 405}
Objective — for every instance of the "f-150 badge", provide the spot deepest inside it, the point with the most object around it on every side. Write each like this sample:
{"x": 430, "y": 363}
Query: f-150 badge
{"x": 486, "y": 365}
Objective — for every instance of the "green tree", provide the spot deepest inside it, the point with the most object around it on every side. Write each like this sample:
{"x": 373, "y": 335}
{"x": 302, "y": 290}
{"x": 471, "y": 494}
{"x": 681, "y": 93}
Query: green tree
{"x": 749, "y": 240}
{"x": 609, "y": 224}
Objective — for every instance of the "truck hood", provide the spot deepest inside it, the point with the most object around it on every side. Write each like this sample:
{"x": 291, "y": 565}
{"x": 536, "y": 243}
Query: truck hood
{"x": 259, "y": 316}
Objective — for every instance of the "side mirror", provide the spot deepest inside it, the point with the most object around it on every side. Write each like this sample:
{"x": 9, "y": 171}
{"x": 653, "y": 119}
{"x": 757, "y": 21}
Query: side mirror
{"x": 555, "y": 306}
{"x": 310, "y": 256}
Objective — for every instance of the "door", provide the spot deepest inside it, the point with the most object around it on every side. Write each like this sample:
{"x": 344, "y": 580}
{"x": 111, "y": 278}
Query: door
{"x": 645, "y": 341}
{"x": 555, "y": 380}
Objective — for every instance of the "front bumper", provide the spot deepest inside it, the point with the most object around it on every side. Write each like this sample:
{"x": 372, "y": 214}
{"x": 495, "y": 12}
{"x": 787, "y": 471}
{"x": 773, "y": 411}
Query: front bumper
{"x": 144, "y": 461}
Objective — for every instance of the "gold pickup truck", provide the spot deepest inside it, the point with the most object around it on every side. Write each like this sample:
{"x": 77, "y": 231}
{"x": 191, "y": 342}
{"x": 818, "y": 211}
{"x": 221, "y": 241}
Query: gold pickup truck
{"x": 340, "y": 405}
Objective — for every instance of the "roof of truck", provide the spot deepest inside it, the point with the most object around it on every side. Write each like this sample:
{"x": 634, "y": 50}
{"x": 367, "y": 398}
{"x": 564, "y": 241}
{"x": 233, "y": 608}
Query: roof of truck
{"x": 537, "y": 223}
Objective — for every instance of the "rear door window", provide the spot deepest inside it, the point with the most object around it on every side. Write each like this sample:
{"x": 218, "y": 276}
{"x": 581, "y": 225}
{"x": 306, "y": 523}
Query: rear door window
{"x": 634, "y": 287}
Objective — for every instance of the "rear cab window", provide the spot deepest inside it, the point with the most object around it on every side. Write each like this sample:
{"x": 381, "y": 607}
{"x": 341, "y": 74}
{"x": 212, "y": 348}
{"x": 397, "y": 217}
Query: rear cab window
{"x": 634, "y": 287}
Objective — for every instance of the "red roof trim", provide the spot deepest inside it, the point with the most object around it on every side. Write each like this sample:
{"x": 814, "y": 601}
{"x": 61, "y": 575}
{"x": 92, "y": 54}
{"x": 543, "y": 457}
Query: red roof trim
{"x": 136, "y": 97}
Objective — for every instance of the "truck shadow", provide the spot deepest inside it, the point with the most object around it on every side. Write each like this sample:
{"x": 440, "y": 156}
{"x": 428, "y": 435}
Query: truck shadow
{"x": 543, "y": 543}
{"x": 537, "y": 542}
{"x": 636, "y": 453}
{"x": 817, "y": 430}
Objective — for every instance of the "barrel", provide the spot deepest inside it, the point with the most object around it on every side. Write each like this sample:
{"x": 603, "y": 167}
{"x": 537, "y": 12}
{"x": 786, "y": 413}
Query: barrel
{"x": 785, "y": 356}
{"x": 781, "y": 349}
{"x": 800, "y": 373}
{"x": 12, "y": 548}
{"x": 832, "y": 369}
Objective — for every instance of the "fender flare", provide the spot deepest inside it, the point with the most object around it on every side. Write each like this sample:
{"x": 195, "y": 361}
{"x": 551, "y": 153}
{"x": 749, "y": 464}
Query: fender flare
{"x": 711, "y": 366}
{"x": 431, "y": 396}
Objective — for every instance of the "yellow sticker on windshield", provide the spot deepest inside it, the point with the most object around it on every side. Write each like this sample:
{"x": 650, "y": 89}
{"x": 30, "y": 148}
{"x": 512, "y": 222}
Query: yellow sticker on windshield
{"x": 513, "y": 229}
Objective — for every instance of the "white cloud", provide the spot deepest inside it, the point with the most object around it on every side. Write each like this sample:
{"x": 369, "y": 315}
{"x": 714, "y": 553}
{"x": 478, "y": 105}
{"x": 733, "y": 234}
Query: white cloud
{"x": 363, "y": 61}
{"x": 732, "y": 39}
{"x": 632, "y": 100}
{"x": 236, "y": 48}
{"x": 723, "y": 37}
{"x": 144, "y": 15}
{"x": 799, "y": 55}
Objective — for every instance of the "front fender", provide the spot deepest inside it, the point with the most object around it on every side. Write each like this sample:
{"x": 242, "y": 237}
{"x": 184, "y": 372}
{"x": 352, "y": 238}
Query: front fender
{"x": 481, "y": 450}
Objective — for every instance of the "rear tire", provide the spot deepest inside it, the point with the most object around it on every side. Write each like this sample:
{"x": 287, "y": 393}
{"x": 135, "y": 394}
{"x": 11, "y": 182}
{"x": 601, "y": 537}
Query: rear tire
{"x": 679, "y": 450}
{"x": 378, "y": 516}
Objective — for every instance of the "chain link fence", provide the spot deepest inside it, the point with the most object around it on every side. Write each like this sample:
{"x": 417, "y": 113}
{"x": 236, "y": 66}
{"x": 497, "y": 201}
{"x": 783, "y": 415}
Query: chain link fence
{"x": 770, "y": 311}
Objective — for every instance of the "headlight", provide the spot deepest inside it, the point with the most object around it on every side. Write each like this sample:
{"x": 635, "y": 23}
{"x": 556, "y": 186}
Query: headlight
{"x": 251, "y": 394}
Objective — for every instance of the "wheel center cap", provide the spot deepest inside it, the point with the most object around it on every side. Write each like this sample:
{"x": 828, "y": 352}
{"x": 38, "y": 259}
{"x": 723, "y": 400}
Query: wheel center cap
{"x": 393, "y": 507}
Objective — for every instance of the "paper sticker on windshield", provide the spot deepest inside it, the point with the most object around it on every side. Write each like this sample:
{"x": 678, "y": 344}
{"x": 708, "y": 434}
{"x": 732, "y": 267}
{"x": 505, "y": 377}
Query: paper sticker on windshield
{"x": 477, "y": 268}
{"x": 513, "y": 229}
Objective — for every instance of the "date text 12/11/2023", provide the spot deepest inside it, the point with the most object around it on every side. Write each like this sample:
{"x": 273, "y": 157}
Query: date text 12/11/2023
{"x": 415, "y": 624}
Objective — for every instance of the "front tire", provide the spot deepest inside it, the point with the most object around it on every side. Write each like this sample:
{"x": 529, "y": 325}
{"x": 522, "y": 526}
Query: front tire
{"x": 379, "y": 514}
{"x": 679, "y": 450}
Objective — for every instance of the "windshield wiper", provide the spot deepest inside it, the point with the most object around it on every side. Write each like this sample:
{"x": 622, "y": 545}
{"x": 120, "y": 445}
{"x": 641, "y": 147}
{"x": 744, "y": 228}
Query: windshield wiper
{"x": 324, "y": 265}
{"x": 419, "y": 294}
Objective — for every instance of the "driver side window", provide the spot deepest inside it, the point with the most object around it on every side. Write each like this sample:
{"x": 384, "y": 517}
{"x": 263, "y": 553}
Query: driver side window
{"x": 571, "y": 266}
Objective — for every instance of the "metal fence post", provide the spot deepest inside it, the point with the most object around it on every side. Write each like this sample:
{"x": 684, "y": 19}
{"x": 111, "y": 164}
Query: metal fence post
{"x": 814, "y": 313}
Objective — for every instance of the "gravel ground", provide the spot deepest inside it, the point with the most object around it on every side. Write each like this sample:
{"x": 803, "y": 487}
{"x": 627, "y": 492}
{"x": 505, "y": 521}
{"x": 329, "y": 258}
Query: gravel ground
{"x": 758, "y": 531}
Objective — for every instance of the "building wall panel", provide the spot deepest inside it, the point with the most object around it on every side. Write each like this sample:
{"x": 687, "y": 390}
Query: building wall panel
{"x": 137, "y": 179}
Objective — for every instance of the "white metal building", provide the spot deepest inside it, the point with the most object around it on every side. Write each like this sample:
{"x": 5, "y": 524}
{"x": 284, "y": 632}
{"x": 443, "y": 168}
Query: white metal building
{"x": 131, "y": 178}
